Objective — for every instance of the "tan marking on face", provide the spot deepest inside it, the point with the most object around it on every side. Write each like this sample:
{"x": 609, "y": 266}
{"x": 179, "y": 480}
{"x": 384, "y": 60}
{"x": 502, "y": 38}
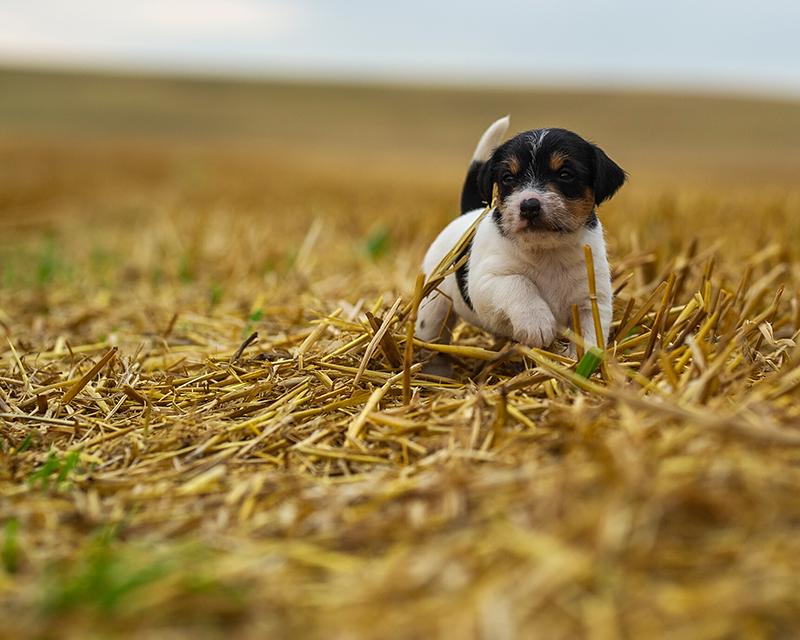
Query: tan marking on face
{"x": 570, "y": 214}
{"x": 513, "y": 164}
{"x": 557, "y": 160}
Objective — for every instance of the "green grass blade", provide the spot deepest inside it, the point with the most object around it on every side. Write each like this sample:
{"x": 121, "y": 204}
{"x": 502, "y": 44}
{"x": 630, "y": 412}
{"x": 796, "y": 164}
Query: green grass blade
{"x": 590, "y": 362}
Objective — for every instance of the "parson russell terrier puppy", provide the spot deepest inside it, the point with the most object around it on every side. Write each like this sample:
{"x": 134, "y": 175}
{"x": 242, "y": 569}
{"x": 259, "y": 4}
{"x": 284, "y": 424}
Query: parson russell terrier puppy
{"x": 526, "y": 265}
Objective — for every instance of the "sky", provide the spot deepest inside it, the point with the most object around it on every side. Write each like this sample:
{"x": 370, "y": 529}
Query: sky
{"x": 731, "y": 45}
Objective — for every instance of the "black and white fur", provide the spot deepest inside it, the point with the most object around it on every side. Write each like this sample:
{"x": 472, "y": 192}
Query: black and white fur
{"x": 526, "y": 265}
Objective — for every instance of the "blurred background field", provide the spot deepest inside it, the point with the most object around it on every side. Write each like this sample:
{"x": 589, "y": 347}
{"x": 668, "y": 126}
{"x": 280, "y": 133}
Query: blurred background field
{"x": 121, "y": 150}
{"x": 172, "y": 217}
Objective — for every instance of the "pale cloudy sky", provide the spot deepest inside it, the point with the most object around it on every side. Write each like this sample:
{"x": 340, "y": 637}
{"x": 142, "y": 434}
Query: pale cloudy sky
{"x": 714, "y": 44}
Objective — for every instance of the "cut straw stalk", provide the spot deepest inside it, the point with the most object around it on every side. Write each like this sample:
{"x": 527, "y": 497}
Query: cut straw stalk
{"x": 743, "y": 423}
{"x": 658, "y": 327}
{"x": 773, "y": 309}
{"x": 598, "y": 325}
{"x": 280, "y": 423}
{"x": 105, "y": 438}
{"x": 24, "y": 417}
{"x": 387, "y": 344}
{"x": 615, "y": 335}
{"x": 334, "y": 454}
{"x": 316, "y": 334}
{"x": 558, "y": 371}
{"x": 408, "y": 355}
{"x": 79, "y": 350}
{"x": 639, "y": 315}
{"x": 464, "y": 351}
{"x": 25, "y": 381}
{"x": 75, "y": 389}
{"x": 356, "y": 427}
{"x": 250, "y": 340}
{"x": 576, "y": 325}
{"x": 376, "y": 340}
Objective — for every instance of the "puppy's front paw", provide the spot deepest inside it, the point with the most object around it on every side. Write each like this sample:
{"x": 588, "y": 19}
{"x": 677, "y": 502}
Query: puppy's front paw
{"x": 537, "y": 328}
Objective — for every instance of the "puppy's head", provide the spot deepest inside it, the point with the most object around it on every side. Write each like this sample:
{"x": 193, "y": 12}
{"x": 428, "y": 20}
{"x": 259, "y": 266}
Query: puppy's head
{"x": 549, "y": 182}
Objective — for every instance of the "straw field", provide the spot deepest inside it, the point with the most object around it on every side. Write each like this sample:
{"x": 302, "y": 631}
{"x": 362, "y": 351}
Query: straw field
{"x": 213, "y": 418}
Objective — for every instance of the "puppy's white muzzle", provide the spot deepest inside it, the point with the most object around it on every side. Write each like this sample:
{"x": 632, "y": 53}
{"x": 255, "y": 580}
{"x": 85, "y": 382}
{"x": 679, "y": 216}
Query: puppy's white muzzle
{"x": 528, "y": 210}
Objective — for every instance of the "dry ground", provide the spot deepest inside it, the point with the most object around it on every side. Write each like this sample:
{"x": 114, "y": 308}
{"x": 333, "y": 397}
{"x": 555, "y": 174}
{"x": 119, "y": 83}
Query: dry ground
{"x": 160, "y": 481}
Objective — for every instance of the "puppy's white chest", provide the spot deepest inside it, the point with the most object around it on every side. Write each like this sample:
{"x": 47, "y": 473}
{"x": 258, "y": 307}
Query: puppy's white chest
{"x": 503, "y": 273}
{"x": 558, "y": 278}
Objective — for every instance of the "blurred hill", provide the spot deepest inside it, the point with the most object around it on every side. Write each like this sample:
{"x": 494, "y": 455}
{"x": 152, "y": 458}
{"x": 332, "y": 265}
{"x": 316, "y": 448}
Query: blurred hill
{"x": 419, "y": 134}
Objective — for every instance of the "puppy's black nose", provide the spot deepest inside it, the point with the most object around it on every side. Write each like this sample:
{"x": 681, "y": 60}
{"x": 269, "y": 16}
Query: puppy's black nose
{"x": 530, "y": 209}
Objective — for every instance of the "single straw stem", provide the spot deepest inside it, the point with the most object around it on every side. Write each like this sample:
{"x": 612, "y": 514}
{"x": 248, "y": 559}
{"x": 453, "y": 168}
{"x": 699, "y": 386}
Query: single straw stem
{"x": 598, "y": 327}
{"x": 576, "y": 327}
{"x": 408, "y": 355}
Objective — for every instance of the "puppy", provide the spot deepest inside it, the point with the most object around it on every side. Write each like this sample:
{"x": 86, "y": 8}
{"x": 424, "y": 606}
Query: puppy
{"x": 526, "y": 265}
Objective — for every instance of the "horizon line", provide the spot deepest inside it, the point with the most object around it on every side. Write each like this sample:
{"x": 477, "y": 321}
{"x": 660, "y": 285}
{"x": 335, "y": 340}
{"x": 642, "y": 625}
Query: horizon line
{"x": 397, "y": 78}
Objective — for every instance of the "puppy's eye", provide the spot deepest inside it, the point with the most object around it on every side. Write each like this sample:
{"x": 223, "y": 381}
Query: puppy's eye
{"x": 507, "y": 179}
{"x": 566, "y": 175}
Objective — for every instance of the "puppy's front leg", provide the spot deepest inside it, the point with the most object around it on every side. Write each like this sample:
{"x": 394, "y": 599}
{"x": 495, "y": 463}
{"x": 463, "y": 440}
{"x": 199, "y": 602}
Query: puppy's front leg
{"x": 588, "y": 333}
{"x": 515, "y": 300}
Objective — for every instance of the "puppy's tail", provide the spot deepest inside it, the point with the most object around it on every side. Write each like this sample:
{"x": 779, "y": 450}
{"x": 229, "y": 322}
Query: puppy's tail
{"x": 471, "y": 198}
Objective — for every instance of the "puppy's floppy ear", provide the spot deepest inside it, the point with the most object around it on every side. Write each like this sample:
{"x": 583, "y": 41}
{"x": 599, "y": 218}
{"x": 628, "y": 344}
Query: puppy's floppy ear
{"x": 486, "y": 181}
{"x": 608, "y": 176}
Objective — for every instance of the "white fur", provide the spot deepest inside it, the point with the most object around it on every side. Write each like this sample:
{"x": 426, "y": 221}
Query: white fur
{"x": 518, "y": 291}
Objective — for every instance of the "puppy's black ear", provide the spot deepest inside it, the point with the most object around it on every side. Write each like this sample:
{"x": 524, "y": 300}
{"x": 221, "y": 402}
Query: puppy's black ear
{"x": 608, "y": 176}
{"x": 476, "y": 186}
{"x": 486, "y": 182}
